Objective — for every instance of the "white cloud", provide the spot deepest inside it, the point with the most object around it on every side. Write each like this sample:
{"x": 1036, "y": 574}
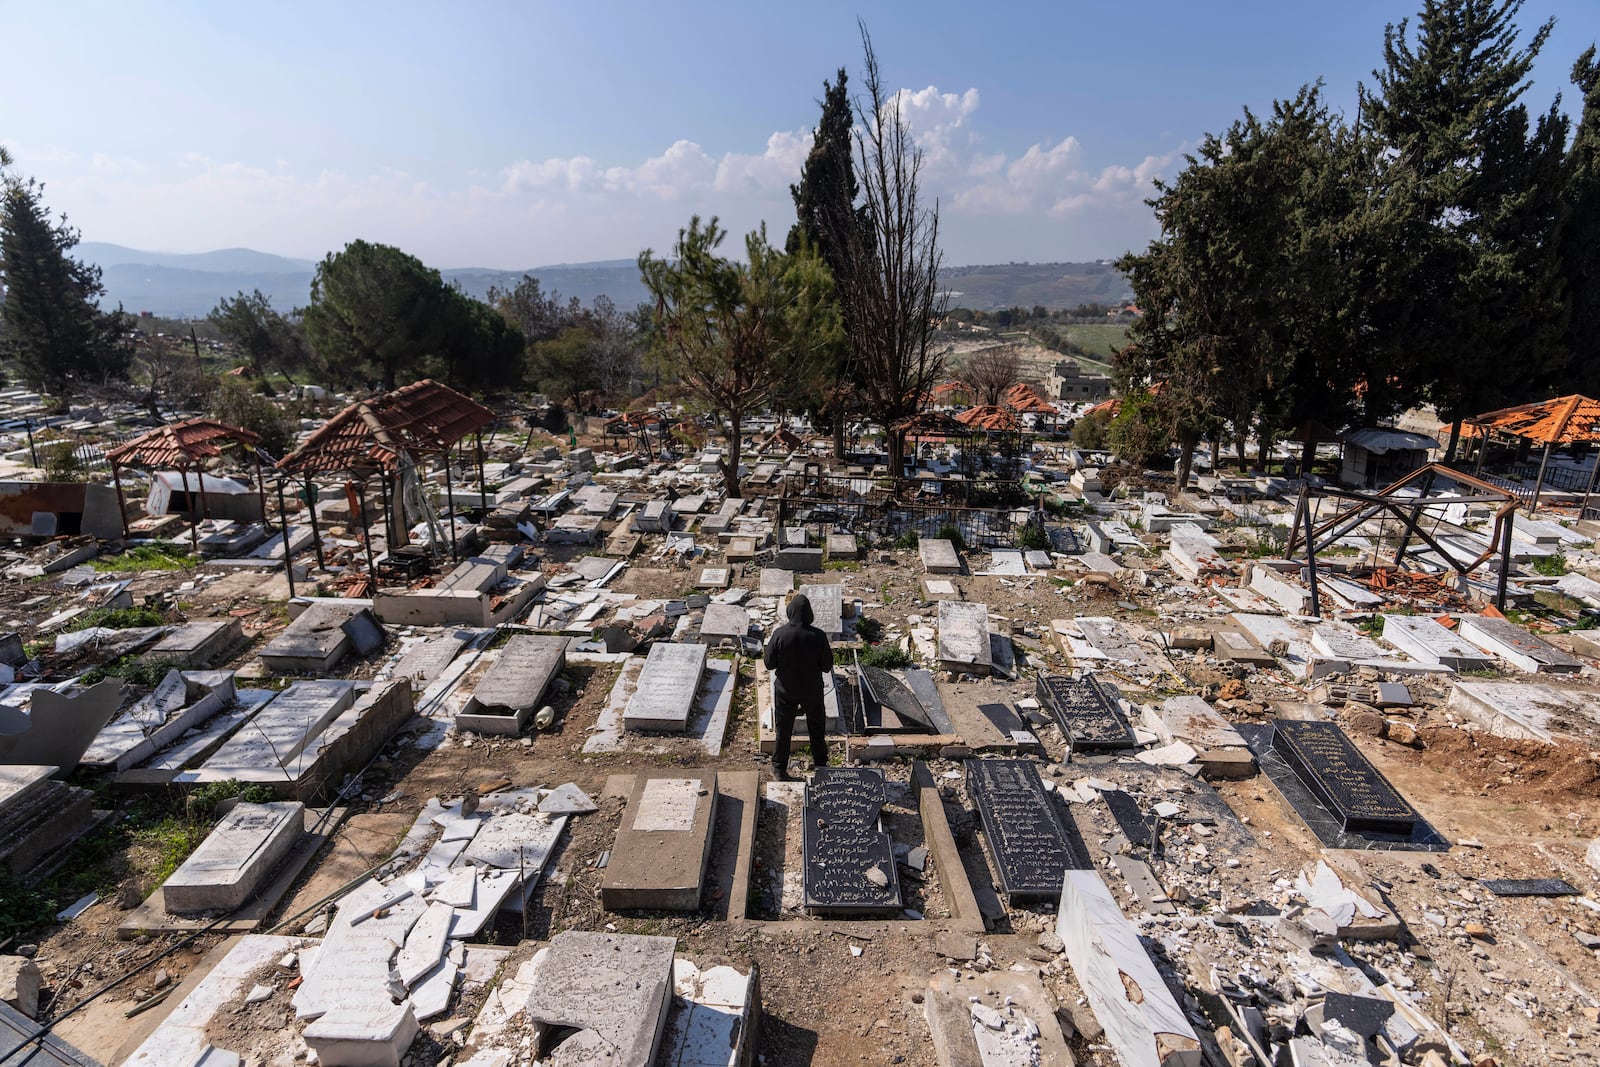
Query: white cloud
{"x": 1048, "y": 200}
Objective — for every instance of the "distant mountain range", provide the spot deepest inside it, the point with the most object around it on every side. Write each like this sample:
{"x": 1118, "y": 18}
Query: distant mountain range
{"x": 188, "y": 285}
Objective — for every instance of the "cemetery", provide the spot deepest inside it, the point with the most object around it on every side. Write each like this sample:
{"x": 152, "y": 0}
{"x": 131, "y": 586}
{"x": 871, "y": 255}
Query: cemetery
{"x": 1186, "y": 785}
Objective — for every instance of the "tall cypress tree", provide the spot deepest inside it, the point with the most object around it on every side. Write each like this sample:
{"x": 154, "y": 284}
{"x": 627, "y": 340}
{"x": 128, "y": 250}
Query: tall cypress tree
{"x": 52, "y": 327}
{"x": 828, "y": 219}
{"x": 1485, "y": 178}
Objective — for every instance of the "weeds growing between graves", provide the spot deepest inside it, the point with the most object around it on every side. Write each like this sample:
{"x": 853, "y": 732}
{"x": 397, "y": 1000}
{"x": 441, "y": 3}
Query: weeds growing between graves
{"x": 161, "y": 556}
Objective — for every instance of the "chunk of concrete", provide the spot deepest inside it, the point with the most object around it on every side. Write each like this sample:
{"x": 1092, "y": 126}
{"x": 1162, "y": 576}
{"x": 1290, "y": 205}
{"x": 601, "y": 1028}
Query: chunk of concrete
{"x": 939, "y": 556}
{"x": 1141, "y": 1020}
{"x": 198, "y": 644}
{"x": 20, "y": 980}
{"x": 1287, "y": 593}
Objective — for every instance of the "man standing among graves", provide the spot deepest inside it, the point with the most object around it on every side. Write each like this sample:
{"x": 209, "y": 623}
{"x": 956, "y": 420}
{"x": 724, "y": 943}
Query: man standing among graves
{"x": 799, "y": 657}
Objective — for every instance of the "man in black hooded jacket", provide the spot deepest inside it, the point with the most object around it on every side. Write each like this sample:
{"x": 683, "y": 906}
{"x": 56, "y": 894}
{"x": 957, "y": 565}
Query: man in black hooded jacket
{"x": 799, "y": 657}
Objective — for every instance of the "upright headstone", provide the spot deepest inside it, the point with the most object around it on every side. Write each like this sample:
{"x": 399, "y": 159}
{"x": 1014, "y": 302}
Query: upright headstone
{"x": 661, "y": 850}
{"x": 664, "y": 700}
{"x": 1341, "y": 778}
{"x": 1022, "y": 826}
{"x": 827, "y": 606}
{"x": 849, "y": 860}
{"x": 235, "y": 858}
{"x": 964, "y": 636}
{"x": 1090, "y": 718}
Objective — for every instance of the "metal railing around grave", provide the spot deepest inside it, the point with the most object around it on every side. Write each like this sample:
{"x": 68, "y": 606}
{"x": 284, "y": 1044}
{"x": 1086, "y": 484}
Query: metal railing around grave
{"x": 865, "y": 505}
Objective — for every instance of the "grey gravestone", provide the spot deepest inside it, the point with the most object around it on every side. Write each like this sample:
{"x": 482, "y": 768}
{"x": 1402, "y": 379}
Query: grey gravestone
{"x": 511, "y": 690}
{"x": 939, "y": 556}
{"x": 843, "y": 546}
{"x": 1023, "y": 828}
{"x": 776, "y": 582}
{"x": 1339, "y": 776}
{"x": 614, "y": 990}
{"x": 200, "y": 643}
{"x": 235, "y": 858}
{"x": 278, "y": 733}
{"x": 1517, "y": 646}
{"x": 964, "y": 636}
{"x": 1089, "y": 717}
{"x": 724, "y": 620}
{"x": 827, "y": 604}
{"x": 659, "y": 858}
{"x": 843, "y": 845}
{"x": 713, "y": 578}
{"x": 1427, "y": 642}
{"x": 664, "y": 699}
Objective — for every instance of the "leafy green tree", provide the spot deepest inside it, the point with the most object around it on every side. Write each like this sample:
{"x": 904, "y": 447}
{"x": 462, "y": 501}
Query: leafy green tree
{"x": 236, "y": 404}
{"x": 736, "y": 334}
{"x": 1485, "y": 176}
{"x": 265, "y": 335}
{"x": 540, "y": 316}
{"x": 377, "y": 313}
{"x": 482, "y": 351}
{"x": 50, "y": 323}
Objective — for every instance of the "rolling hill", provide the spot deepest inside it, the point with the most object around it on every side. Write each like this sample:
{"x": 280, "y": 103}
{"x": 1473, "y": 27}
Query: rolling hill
{"x": 188, "y": 285}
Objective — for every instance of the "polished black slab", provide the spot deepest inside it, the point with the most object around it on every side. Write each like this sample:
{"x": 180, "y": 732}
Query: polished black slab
{"x": 1029, "y": 841}
{"x": 1346, "y": 782}
{"x": 842, "y": 843}
{"x": 1089, "y": 717}
{"x": 1529, "y": 887}
{"x": 1135, "y": 825}
{"x": 1327, "y": 826}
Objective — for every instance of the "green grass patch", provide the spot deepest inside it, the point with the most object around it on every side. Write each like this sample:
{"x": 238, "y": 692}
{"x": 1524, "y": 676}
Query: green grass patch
{"x": 842, "y": 565}
{"x": 117, "y": 619}
{"x": 157, "y": 557}
{"x": 1550, "y": 566}
{"x": 869, "y": 630}
{"x": 1031, "y": 537}
{"x": 951, "y": 533}
{"x": 143, "y": 673}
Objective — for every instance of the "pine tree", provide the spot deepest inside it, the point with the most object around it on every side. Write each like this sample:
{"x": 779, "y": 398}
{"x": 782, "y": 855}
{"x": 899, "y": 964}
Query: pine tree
{"x": 1485, "y": 178}
{"x": 1580, "y": 240}
{"x": 53, "y": 329}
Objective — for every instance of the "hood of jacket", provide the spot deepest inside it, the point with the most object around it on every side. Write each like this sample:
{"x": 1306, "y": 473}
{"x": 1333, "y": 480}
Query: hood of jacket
{"x": 800, "y": 612}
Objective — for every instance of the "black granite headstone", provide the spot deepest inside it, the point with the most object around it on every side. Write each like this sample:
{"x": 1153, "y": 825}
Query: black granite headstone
{"x": 1338, "y": 775}
{"x": 1090, "y": 718}
{"x": 1027, "y": 838}
{"x": 842, "y": 844}
{"x": 1364, "y": 1015}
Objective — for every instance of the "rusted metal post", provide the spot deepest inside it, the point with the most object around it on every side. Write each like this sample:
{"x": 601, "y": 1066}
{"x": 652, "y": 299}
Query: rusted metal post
{"x": 316, "y": 532}
{"x": 1505, "y": 562}
{"x": 122, "y": 503}
{"x": 366, "y": 533}
{"x": 188, "y": 501}
{"x": 1538, "y": 486}
{"x": 450, "y": 500}
{"x": 283, "y": 522}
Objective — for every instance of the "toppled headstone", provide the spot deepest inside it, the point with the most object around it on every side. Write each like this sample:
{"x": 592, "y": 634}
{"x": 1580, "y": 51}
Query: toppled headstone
{"x": 664, "y": 700}
{"x": 1344, "y": 780}
{"x": 612, "y": 990}
{"x": 1141, "y": 1020}
{"x": 1022, "y": 827}
{"x": 513, "y": 688}
{"x": 850, "y": 866}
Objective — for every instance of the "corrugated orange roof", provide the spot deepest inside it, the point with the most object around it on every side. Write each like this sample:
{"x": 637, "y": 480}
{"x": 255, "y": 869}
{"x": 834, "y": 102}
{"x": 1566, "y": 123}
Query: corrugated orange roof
{"x": 1561, "y": 421}
{"x": 989, "y": 417}
{"x": 180, "y": 444}
{"x": 422, "y": 418}
{"x": 925, "y": 423}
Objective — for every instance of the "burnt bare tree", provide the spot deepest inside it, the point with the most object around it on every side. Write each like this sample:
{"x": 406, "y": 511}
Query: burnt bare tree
{"x": 890, "y": 277}
{"x": 990, "y": 372}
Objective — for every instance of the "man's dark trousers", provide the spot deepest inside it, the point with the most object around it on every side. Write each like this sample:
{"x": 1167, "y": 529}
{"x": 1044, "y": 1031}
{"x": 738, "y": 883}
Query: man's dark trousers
{"x": 816, "y": 725}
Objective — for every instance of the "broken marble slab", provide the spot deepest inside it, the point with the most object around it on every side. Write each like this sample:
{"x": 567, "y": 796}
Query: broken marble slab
{"x": 614, "y": 990}
{"x": 1142, "y": 1022}
{"x": 1425, "y": 641}
{"x": 1516, "y": 646}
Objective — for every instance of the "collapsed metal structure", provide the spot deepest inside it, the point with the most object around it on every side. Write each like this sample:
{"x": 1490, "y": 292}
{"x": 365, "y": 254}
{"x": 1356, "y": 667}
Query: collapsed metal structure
{"x": 1396, "y": 500}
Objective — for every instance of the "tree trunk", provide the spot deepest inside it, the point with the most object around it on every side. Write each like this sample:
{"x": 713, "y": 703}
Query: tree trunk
{"x": 897, "y": 454}
{"x": 1308, "y": 456}
{"x": 1455, "y": 440}
{"x": 730, "y": 466}
{"x": 838, "y": 436}
{"x": 1239, "y": 450}
{"x": 1263, "y": 451}
{"x": 1185, "y": 463}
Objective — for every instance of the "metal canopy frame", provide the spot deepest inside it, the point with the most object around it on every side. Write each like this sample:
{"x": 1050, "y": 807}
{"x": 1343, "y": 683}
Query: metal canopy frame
{"x": 1316, "y": 537}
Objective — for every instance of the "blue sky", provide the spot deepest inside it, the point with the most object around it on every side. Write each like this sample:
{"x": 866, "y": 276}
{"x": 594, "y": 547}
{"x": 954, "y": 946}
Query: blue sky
{"x": 518, "y": 134}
